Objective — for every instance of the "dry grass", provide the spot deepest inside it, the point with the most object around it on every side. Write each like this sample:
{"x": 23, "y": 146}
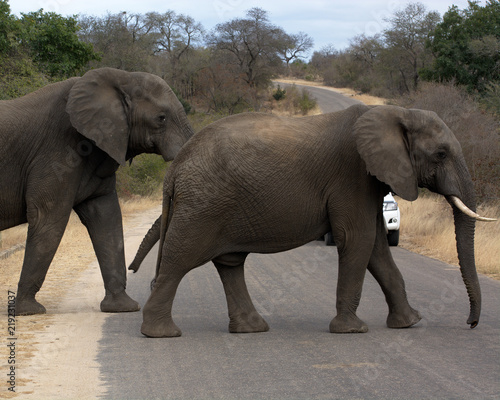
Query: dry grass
{"x": 427, "y": 228}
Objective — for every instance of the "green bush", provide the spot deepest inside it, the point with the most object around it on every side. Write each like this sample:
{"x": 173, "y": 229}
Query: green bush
{"x": 279, "y": 94}
{"x": 19, "y": 76}
{"x": 199, "y": 120}
{"x": 143, "y": 177}
{"x": 491, "y": 98}
{"x": 306, "y": 103}
{"x": 295, "y": 102}
{"x": 184, "y": 102}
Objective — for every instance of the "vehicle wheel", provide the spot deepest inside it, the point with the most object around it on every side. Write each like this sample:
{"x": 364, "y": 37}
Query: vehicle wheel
{"x": 393, "y": 238}
{"x": 329, "y": 239}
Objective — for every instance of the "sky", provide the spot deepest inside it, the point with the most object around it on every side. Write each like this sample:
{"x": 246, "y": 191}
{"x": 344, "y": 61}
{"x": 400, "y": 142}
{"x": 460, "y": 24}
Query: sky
{"x": 332, "y": 22}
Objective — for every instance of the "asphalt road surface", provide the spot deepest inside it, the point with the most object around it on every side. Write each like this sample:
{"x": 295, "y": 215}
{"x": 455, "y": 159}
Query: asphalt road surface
{"x": 439, "y": 358}
{"x": 328, "y": 100}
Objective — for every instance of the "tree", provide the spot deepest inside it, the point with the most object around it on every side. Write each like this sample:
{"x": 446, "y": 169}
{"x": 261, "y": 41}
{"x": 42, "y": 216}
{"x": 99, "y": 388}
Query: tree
{"x": 405, "y": 39}
{"x": 466, "y": 45}
{"x": 293, "y": 47}
{"x": 8, "y": 25}
{"x": 252, "y": 44}
{"x": 121, "y": 40}
{"x": 175, "y": 37}
{"x": 53, "y": 43}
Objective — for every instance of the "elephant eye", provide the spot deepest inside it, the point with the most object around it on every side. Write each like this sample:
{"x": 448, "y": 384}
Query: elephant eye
{"x": 162, "y": 118}
{"x": 441, "y": 155}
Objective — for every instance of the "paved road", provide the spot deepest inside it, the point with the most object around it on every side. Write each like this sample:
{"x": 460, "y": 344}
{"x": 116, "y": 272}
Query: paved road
{"x": 440, "y": 358}
{"x": 328, "y": 100}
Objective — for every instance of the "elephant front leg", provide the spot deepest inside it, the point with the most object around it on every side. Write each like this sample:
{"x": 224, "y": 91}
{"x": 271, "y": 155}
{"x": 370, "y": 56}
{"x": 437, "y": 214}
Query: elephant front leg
{"x": 384, "y": 270}
{"x": 102, "y": 217}
{"x": 354, "y": 254}
{"x": 243, "y": 317}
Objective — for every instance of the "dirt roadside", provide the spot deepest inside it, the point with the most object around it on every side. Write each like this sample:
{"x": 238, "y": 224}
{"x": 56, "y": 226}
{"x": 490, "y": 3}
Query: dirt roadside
{"x": 55, "y": 353}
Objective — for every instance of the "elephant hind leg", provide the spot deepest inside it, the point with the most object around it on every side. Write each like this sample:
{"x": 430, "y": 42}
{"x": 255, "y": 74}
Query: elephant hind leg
{"x": 176, "y": 261}
{"x": 45, "y": 232}
{"x": 157, "y": 315}
{"x": 243, "y": 317}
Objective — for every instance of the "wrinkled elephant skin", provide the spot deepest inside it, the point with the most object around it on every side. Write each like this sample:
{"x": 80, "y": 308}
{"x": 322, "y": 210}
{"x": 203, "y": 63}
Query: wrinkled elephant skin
{"x": 258, "y": 183}
{"x": 59, "y": 149}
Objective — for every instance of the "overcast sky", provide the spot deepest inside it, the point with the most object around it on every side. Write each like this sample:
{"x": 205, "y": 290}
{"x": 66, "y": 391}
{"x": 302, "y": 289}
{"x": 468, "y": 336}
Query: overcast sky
{"x": 327, "y": 22}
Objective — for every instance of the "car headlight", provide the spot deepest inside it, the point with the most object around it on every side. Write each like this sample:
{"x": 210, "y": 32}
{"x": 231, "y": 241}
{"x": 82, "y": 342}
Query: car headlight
{"x": 390, "y": 206}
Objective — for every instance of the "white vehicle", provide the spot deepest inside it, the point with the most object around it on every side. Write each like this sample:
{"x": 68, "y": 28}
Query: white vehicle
{"x": 392, "y": 218}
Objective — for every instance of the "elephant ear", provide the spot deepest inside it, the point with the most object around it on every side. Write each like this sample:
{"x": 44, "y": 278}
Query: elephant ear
{"x": 99, "y": 109}
{"x": 384, "y": 143}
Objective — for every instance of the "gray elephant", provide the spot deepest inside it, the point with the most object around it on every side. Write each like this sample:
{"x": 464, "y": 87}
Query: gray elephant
{"x": 59, "y": 149}
{"x": 263, "y": 184}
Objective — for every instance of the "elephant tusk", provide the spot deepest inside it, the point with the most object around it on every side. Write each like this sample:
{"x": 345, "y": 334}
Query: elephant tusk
{"x": 466, "y": 210}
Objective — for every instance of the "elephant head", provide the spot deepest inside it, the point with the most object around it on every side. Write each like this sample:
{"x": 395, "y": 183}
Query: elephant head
{"x": 407, "y": 149}
{"x": 128, "y": 113}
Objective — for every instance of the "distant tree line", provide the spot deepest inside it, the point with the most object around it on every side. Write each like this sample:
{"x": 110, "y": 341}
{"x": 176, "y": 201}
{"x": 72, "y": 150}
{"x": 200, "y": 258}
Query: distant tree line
{"x": 418, "y": 45}
{"x": 226, "y": 68}
{"x": 418, "y": 60}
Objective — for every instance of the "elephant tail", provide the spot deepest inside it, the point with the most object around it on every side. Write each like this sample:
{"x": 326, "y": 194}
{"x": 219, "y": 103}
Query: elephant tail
{"x": 165, "y": 218}
{"x": 147, "y": 244}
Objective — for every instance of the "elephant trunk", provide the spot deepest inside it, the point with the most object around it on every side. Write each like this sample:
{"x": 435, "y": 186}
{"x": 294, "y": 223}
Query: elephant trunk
{"x": 464, "y": 231}
{"x": 147, "y": 244}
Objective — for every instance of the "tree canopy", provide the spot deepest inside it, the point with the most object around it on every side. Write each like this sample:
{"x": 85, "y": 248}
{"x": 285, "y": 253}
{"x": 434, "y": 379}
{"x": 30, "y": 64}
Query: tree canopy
{"x": 53, "y": 44}
{"x": 466, "y": 45}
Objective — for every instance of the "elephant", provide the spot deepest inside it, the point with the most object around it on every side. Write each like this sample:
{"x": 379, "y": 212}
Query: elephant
{"x": 260, "y": 183}
{"x": 60, "y": 147}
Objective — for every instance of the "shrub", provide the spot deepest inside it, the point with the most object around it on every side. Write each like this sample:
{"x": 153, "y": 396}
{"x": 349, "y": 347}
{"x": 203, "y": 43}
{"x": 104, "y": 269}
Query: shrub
{"x": 306, "y": 102}
{"x": 279, "y": 93}
{"x": 184, "y": 102}
{"x": 295, "y": 102}
{"x": 491, "y": 98}
{"x": 143, "y": 177}
{"x": 19, "y": 76}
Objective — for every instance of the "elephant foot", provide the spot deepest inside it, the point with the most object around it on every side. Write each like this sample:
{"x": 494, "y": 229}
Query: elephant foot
{"x": 399, "y": 320}
{"x": 120, "y": 302}
{"x": 29, "y": 307}
{"x": 159, "y": 330}
{"x": 248, "y": 323}
{"x": 350, "y": 324}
